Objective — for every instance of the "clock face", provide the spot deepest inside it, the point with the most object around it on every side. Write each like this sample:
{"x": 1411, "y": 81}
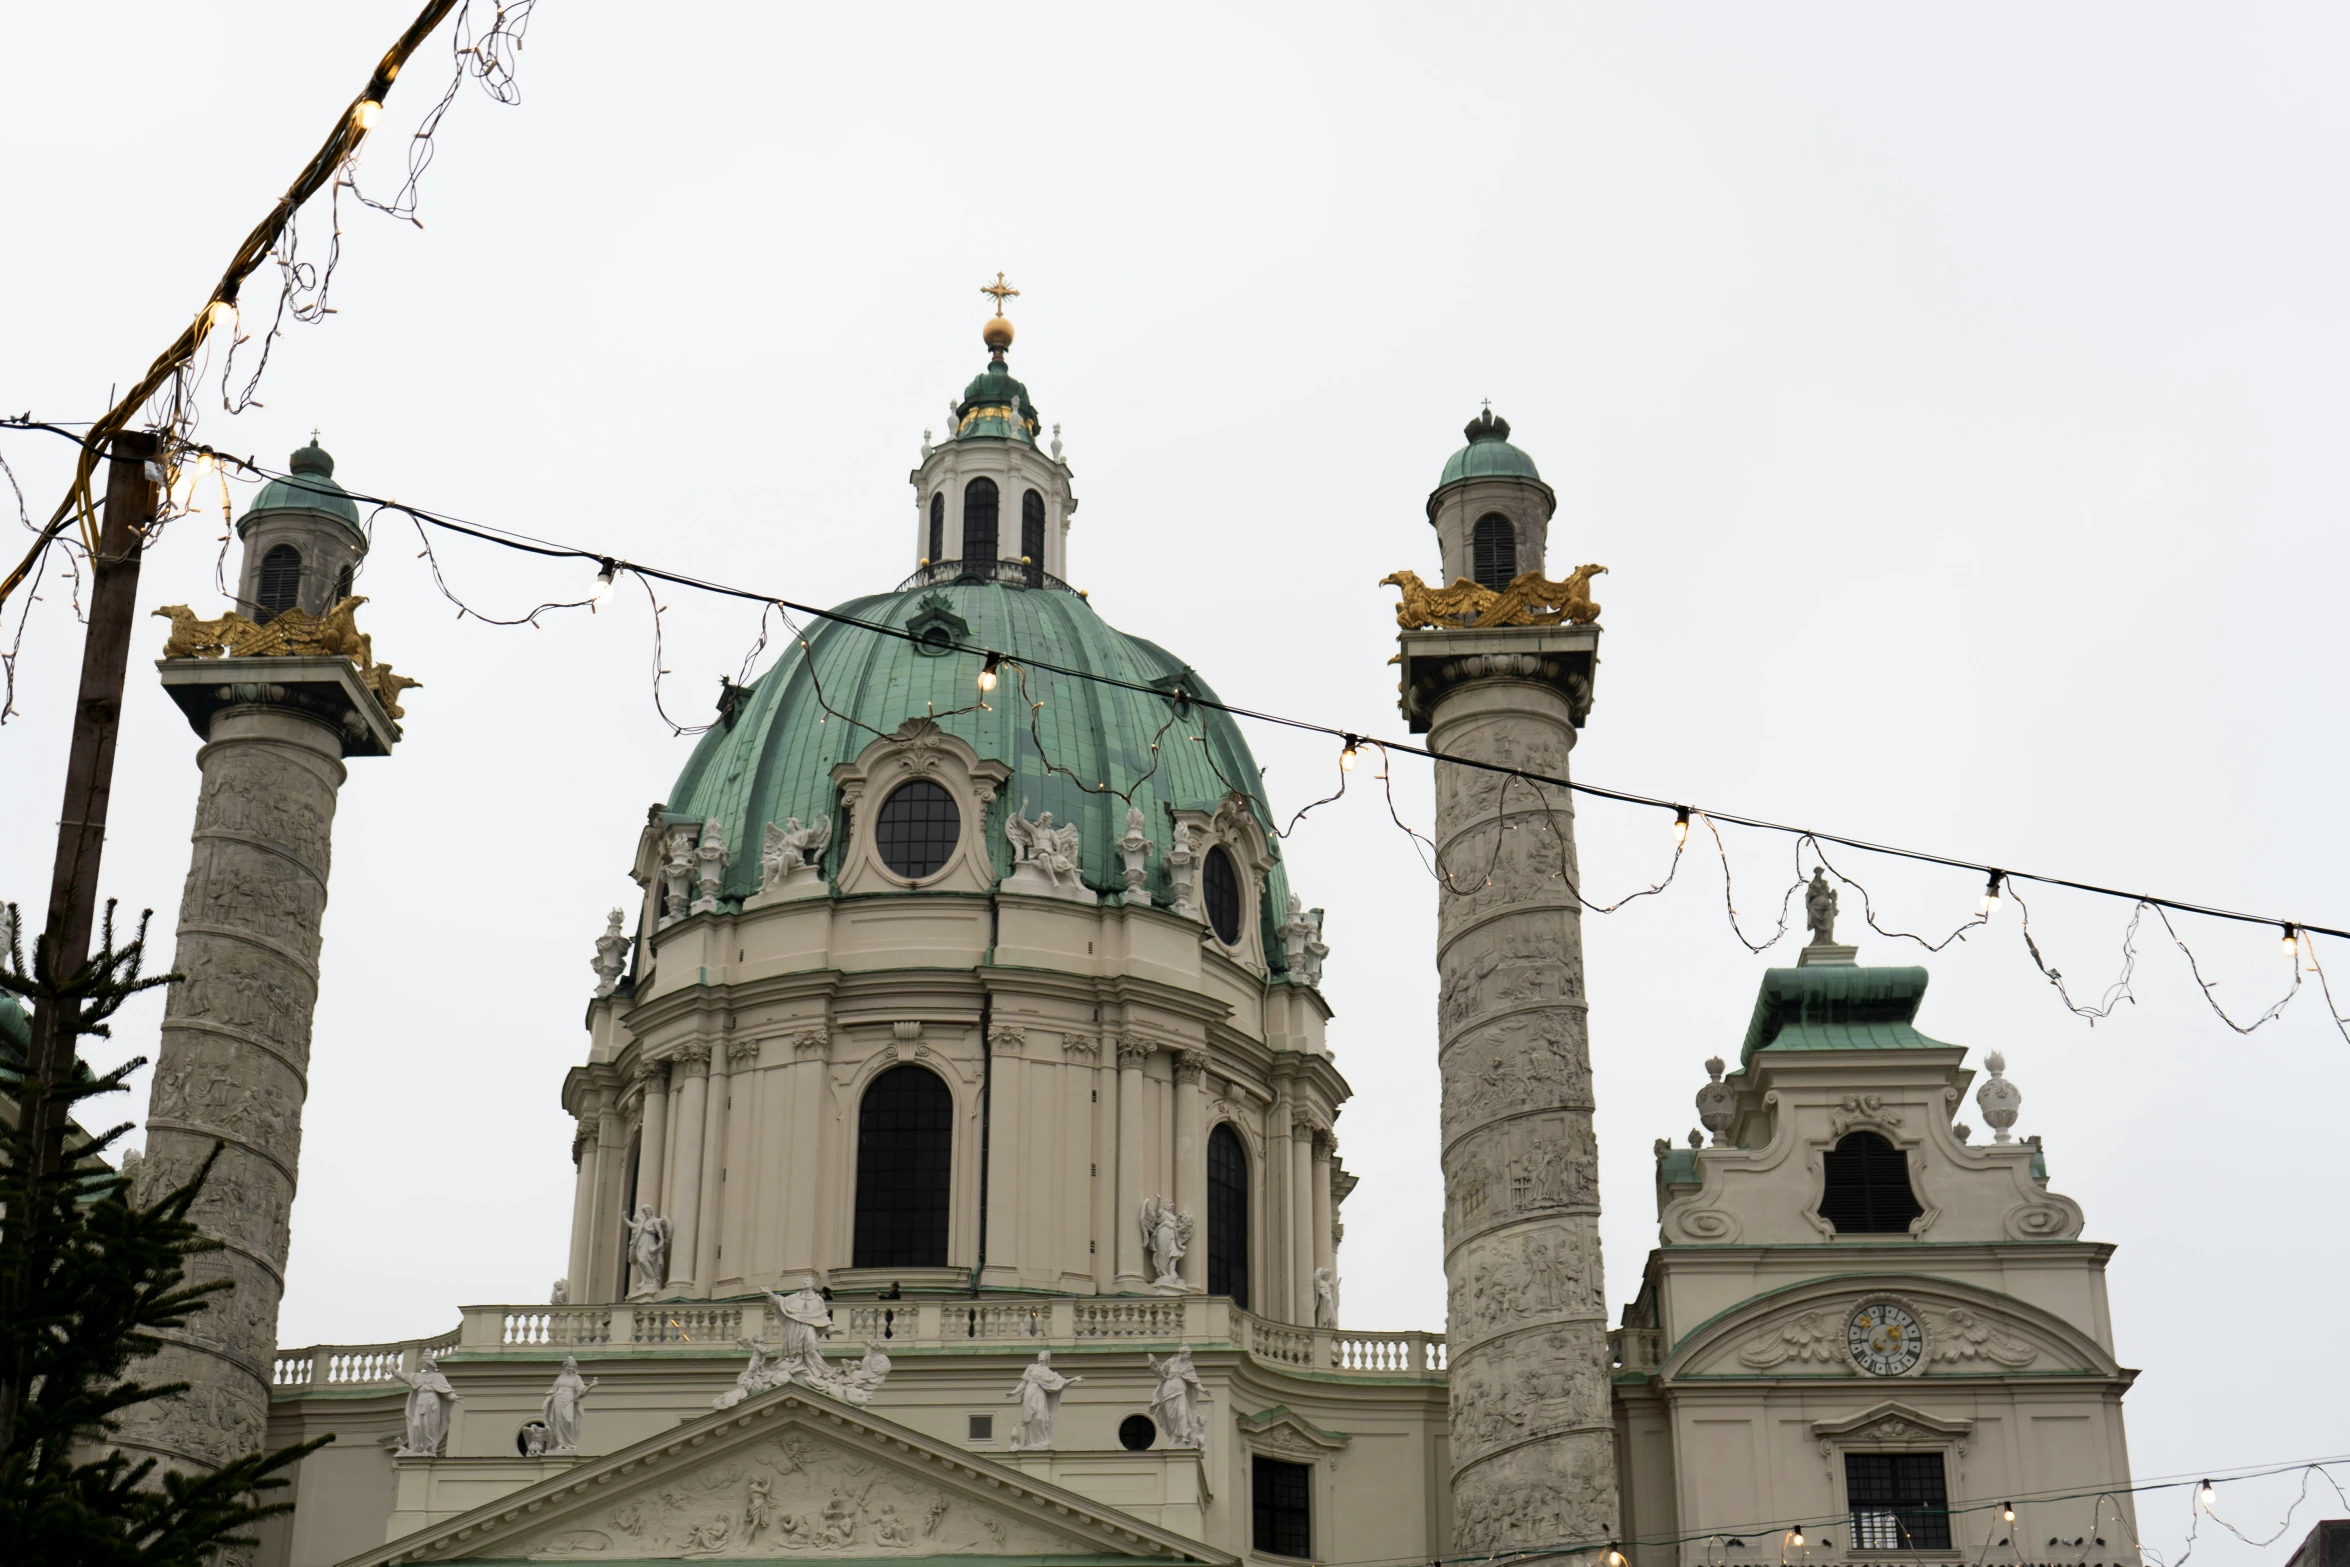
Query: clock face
{"x": 1885, "y": 1340}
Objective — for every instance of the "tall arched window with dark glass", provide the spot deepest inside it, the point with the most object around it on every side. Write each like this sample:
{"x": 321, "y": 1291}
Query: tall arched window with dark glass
{"x": 1220, "y": 885}
{"x": 1227, "y": 1214}
{"x": 905, "y": 1148}
{"x": 938, "y": 524}
{"x": 979, "y": 509}
{"x": 1493, "y": 551}
{"x": 1866, "y": 1187}
{"x": 278, "y": 585}
{"x": 1032, "y": 534}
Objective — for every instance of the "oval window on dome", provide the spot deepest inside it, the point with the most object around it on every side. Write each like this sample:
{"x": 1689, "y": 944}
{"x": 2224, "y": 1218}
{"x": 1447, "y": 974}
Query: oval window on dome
{"x": 1220, "y": 881}
{"x": 917, "y": 829}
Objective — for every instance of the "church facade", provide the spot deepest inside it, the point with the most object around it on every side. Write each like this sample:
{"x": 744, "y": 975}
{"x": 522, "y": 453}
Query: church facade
{"x": 956, "y": 1156}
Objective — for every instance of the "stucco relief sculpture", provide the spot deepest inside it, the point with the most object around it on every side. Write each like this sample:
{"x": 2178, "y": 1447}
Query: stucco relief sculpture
{"x": 709, "y": 866}
{"x": 790, "y": 854}
{"x": 611, "y": 956}
{"x": 561, "y": 1408}
{"x": 560, "y": 1295}
{"x": 648, "y": 1251}
{"x": 1166, "y": 1236}
{"x": 1717, "y": 1104}
{"x": 806, "y": 1320}
{"x": 1998, "y": 1099}
{"x": 429, "y": 1398}
{"x": 1531, "y": 599}
{"x": 1045, "y": 858}
{"x": 291, "y": 633}
{"x": 1176, "y": 1396}
{"x": 1183, "y": 872}
{"x": 1814, "y": 1337}
{"x": 1966, "y": 1336}
{"x": 1325, "y": 1298}
{"x": 1039, "y": 1395}
{"x": 1134, "y": 849}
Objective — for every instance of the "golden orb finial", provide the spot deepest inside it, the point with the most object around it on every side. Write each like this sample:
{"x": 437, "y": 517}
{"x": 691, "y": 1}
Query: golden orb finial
{"x": 997, "y": 334}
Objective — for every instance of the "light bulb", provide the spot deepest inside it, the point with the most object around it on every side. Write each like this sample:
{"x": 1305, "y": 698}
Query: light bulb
{"x": 2205, "y": 1497}
{"x": 2291, "y": 943}
{"x": 1680, "y": 826}
{"x": 1346, "y": 756}
{"x": 220, "y": 313}
{"x": 987, "y": 671}
{"x": 2007, "y": 1512}
{"x": 1615, "y": 1558}
{"x": 1990, "y": 904}
{"x": 368, "y": 112}
{"x": 1795, "y": 1538}
{"x": 602, "y": 589}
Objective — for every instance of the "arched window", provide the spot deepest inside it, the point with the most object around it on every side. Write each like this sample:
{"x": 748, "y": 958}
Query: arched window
{"x": 979, "y": 498}
{"x": 279, "y": 583}
{"x": 1227, "y": 1214}
{"x": 1032, "y": 529}
{"x": 1221, "y": 883}
{"x": 343, "y": 584}
{"x": 1867, "y": 1187}
{"x": 905, "y": 1138}
{"x": 938, "y": 524}
{"x": 1493, "y": 551}
{"x": 917, "y": 829}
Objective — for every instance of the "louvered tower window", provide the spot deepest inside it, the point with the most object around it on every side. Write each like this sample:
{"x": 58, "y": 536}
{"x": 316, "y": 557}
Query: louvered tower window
{"x": 1032, "y": 533}
{"x": 278, "y": 585}
{"x": 905, "y": 1144}
{"x": 1866, "y": 1190}
{"x": 979, "y": 508}
{"x": 1227, "y": 1215}
{"x": 938, "y": 524}
{"x": 1493, "y": 551}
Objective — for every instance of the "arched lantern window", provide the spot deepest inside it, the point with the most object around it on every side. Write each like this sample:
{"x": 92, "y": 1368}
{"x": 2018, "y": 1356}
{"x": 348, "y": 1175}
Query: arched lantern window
{"x": 905, "y": 1149}
{"x": 278, "y": 585}
{"x": 938, "y": 524}
{"x": 1032, "y": 532}
{"x": 1866, "y": 1190}
{"x": 979, "y": 509}
{"x": 1227, "y": 1214}
{"x": 1493, "y": 551}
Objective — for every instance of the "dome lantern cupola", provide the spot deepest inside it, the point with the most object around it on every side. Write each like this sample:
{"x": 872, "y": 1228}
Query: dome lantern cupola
{"x": 303, "y": 541}
{"x": 989, "y": 505}
{"x": 1490, "y": 509}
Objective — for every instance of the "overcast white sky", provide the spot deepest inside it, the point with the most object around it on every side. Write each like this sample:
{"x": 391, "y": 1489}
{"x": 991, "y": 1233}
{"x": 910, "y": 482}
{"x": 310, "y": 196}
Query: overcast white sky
{"x": 1956, "y": 394}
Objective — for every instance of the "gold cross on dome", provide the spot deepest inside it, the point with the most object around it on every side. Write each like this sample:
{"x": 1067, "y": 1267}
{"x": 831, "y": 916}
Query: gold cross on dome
{"x": 1001, "y": 292}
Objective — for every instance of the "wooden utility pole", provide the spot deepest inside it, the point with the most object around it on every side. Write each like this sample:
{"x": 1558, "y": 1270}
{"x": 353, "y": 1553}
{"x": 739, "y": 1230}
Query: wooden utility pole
{"x": 89, "y": 777}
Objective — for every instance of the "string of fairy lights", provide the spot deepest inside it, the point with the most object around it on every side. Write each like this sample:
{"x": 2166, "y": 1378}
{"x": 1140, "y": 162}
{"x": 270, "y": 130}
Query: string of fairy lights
{"x": 1525, "y": 798}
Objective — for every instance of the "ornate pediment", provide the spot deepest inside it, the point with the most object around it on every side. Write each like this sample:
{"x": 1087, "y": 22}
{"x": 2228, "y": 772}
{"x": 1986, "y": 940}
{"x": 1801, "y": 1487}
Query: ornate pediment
{"x": 1948, "y": 1329}
{"x": 786, "y": 1476}
{"x": 1281, "y": 1430}
{"x": 1891, "y": 1424}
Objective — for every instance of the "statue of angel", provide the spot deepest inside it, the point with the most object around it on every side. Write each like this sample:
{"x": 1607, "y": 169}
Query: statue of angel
{"x": 1166, "y": 1236}
{"x": 1051, "y": 849}
{"x": 790, "y": 847}
{"x": 648, "y": 1248}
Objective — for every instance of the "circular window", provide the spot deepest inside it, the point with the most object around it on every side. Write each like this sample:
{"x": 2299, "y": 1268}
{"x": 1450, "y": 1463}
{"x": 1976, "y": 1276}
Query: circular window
{"x": 1136, "y": 1433}
{"x": 917, "y": 829}
{"x": 1223, "y": 893}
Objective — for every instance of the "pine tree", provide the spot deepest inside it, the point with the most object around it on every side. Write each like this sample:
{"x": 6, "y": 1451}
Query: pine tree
{"x": 88, "y": 1277}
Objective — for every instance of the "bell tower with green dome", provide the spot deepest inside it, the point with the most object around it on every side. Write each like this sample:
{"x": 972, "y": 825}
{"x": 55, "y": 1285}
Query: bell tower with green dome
{"x": 1490, "y": 509}
{"x": 990, "y": 504}
{"x": 303, "y": 543}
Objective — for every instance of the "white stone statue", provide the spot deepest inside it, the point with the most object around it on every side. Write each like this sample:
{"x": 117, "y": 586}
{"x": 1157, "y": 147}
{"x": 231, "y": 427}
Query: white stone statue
{"x": 1717, "y": 1103}
{"x": 1998, "y": 1099}
{"x": 531, "y": 1440}
{"x": 677, "y": 869}
{"x": 755, "y": 1378}
{"x": 710, "y": 866}
{"x": 561, "y": 1407}
{"x": 429, "y": 1398}
{"x": 1182, "y": 868}
{"x": 1056, "y": 443}
{"x": 1052, "y": 850}
{"x": 648, "y": 1249}
{"x": 1166, "y": 1236}
{"x": 1176, "y": 1394}
{"x": 1325, "y": 1298}
{"x": 1134, "y": 848}
{"x": 611, "y": 956}
{"x": 560, "y": 1295}
{"x": 1293, "y": 933}
{"x": 1039, "y": 1393}
{"x": 790, "y": 848}
{"x": 926, "y": 446}
{"x": 871, "y": 1371}
{"x": 1819, "y": 908}
{"x": 1317, "y": 950}
{"x": 806, "y": 1320}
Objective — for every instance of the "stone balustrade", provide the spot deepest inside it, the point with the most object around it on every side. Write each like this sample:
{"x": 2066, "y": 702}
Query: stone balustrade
{"x": 709, "y": 1329}
{"x": 1634, "y": 1349}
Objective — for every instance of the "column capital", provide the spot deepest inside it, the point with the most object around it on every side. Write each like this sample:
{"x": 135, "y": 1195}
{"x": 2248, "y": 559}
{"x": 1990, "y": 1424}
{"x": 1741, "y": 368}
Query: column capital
{"x": 651, "y": 1072}
{"x": 1007, "y": 1039}
{"x": 812, "y": 1043}
{"x": 1438, "y": 662}
{"x": 690, "y": 1060}
{"x": 1191, "y": 1067}
{"x": 742, "y": 1052}
{"x": 1080, "y": 1047}
{"x": 1133, "y": 1051}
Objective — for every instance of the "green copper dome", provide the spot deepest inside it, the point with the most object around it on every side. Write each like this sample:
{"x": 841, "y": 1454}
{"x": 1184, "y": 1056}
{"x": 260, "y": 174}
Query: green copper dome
{"x": 996, "y": 404}
{"x": 310, "y": 487}
{"x": 777, "y": 759}
{"x": 1489, "y": 454}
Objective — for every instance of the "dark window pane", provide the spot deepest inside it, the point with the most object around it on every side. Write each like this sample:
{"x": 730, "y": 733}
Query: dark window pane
{"x": 1493, "y": 551}
{"x": 1222, "y": 884}
{"x": 1227, "y": 1215}
{"x": 1282, "y": 1493}
{"x": 938, "y": 524}
{"x": 917, "y": 829}
{"x": 905, "y": 1140}
{"x": 1137, "y": 1432}
{"x": 1865, "y": 1189}
{"x": 342, "y": 585}
{"x": 1032, "y": 528}
{"x": 278, "y": 584}
{"x": 1898, "y": 1501}
{"x": 979, "y": 507}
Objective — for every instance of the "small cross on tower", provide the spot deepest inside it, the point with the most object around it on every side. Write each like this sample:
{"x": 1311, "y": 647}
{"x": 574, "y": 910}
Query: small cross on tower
{"x": 1001, "y": 292}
